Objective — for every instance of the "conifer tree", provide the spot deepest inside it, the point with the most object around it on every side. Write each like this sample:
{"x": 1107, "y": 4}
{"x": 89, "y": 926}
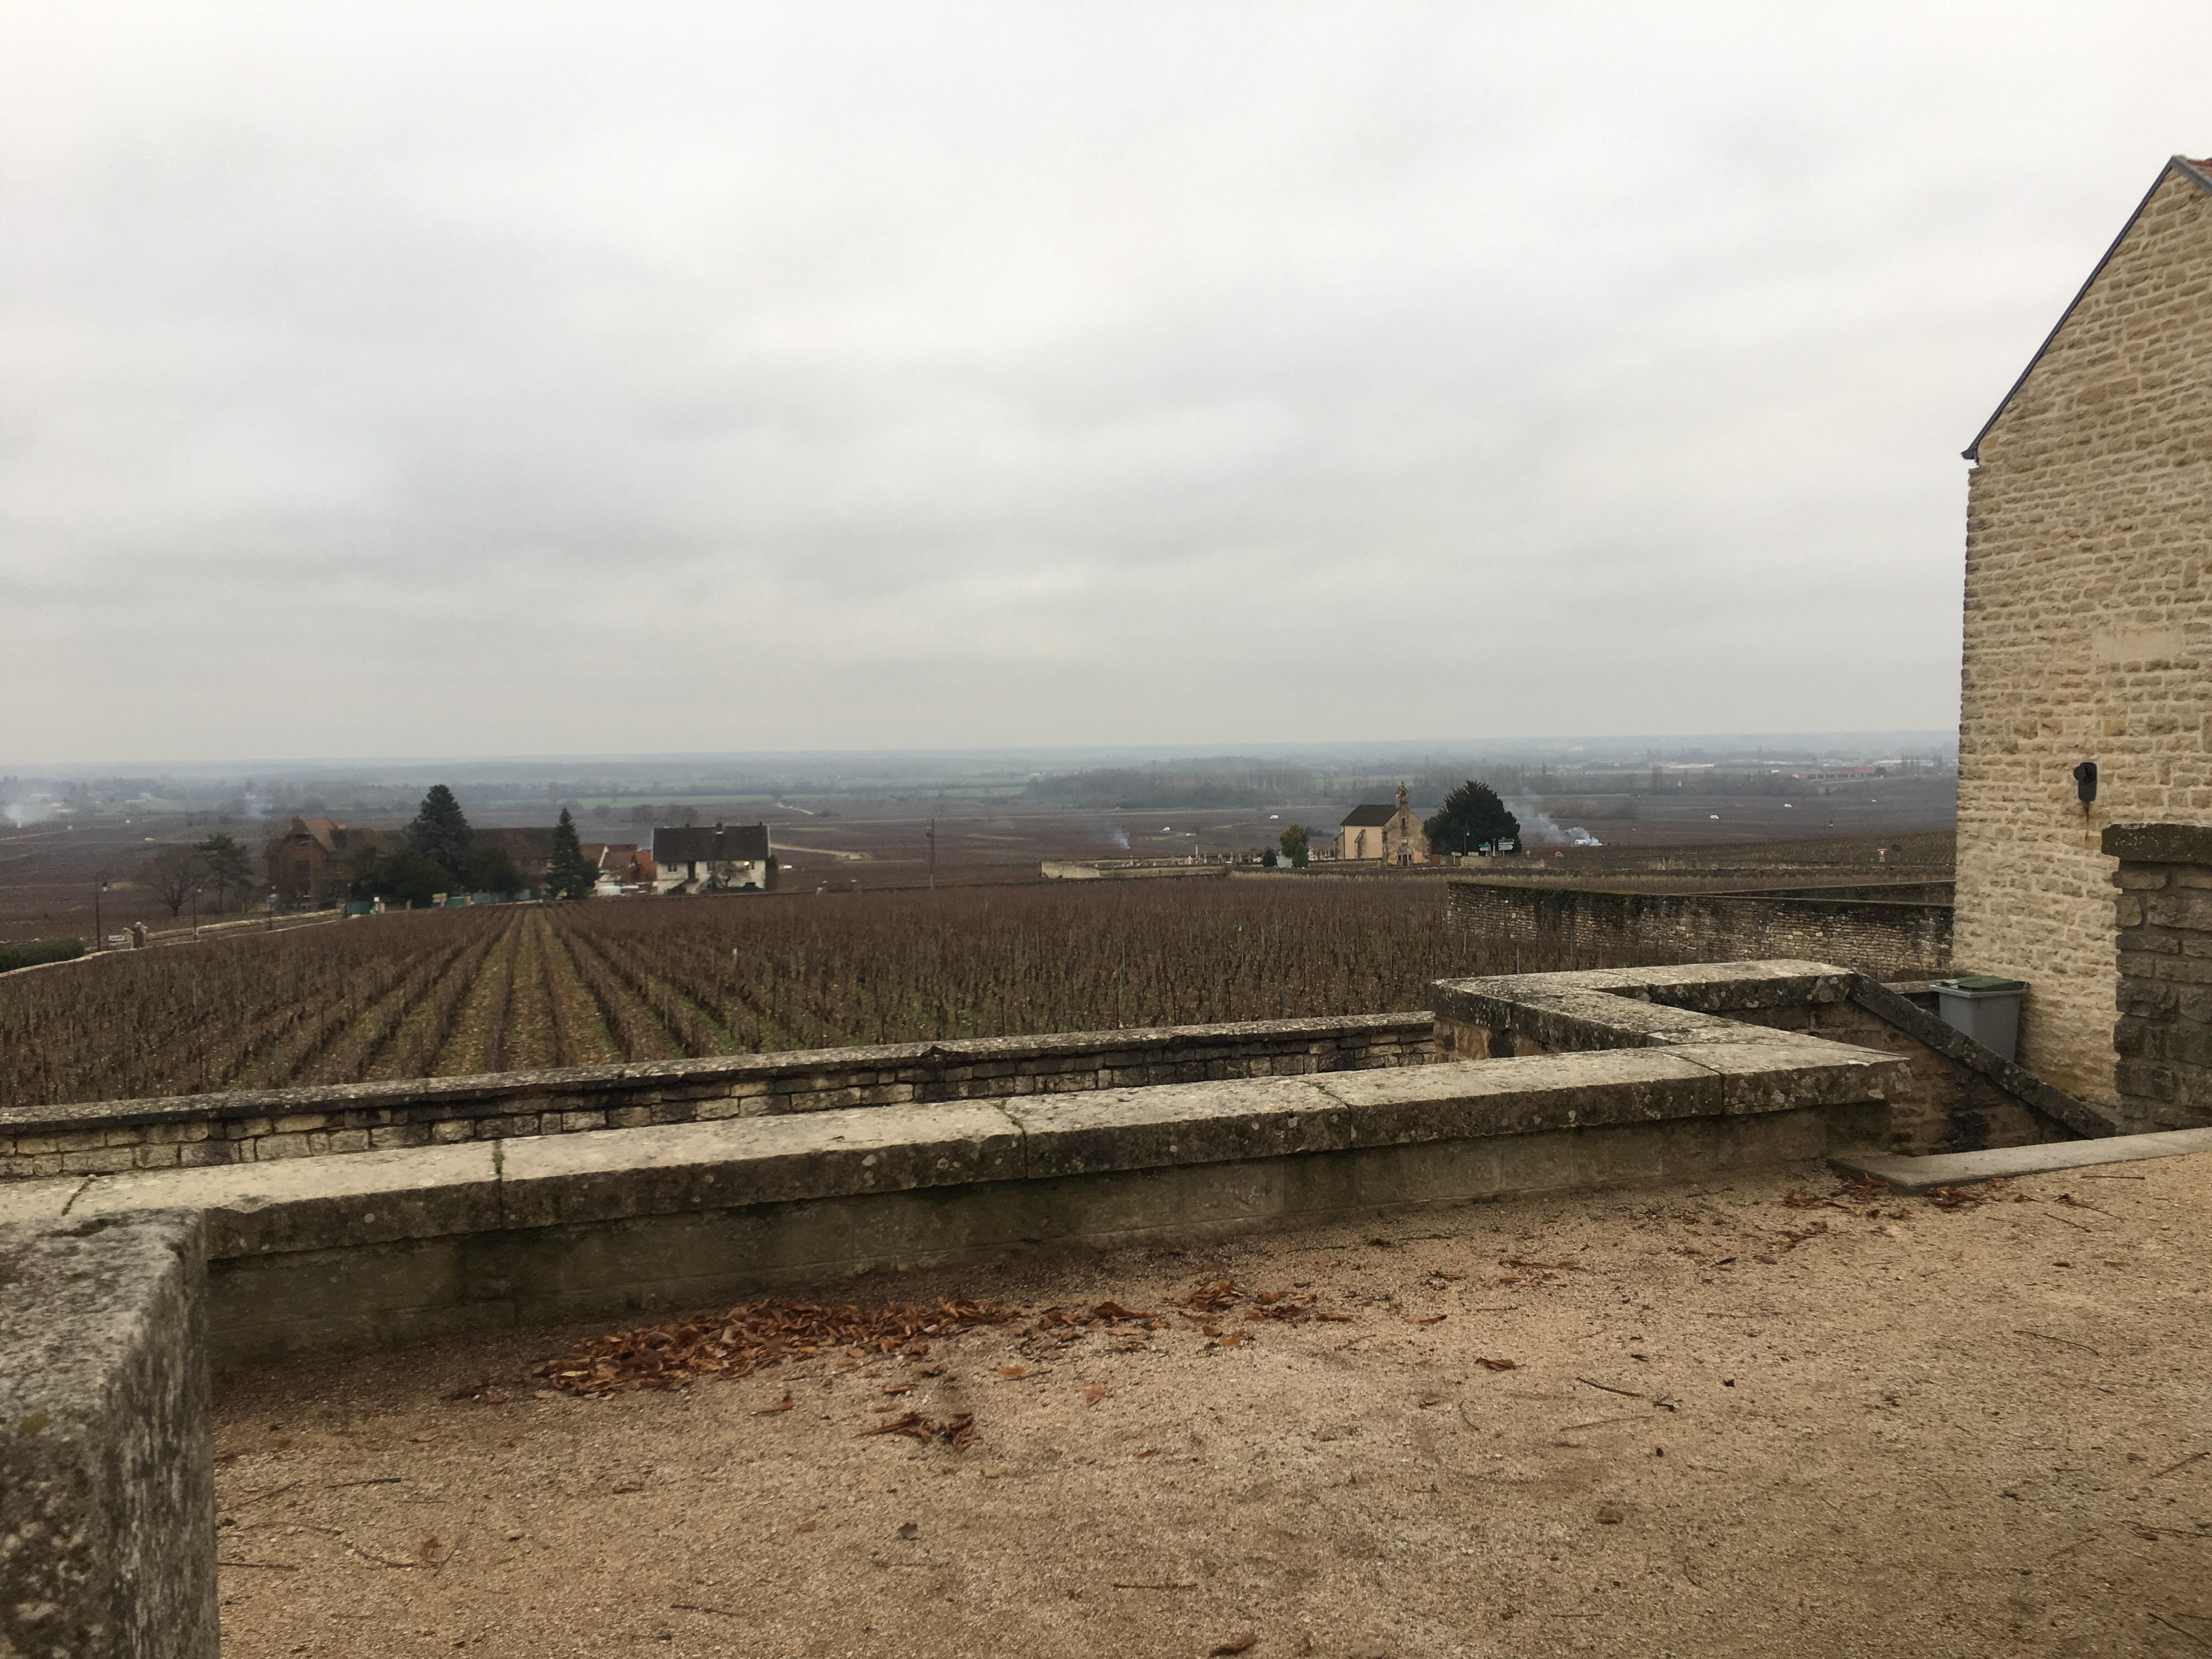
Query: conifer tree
{"x": 1473, "y": 816}
{"x": 569, "y": 873}
{"x": 440, "y": 833}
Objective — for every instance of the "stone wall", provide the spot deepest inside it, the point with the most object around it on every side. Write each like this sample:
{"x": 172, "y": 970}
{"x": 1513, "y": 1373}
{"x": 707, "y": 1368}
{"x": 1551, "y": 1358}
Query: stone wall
{"x": 2163, "y": 1038}
{"x": 108, "y": 1517}
{"x": 1572, "y": 928}
{"x": 1953, "y": 1095}
{"x": 112, "y": 1136}
{"x": 409, "y": 1244}
{"x": 2088, "y": 627}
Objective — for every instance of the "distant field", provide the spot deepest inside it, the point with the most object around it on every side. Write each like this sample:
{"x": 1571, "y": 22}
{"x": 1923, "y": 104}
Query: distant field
{"x": 49, "y": 872}
{"x": 500, "y": 989}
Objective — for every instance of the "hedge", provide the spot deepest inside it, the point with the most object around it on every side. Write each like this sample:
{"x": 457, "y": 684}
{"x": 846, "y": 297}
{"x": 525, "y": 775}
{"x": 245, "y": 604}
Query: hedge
{"x": 38, "y": 951}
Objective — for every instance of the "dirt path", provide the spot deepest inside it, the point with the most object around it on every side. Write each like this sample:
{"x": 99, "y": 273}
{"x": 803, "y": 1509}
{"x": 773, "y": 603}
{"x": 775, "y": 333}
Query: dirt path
{"x": 1730, "y": 1425}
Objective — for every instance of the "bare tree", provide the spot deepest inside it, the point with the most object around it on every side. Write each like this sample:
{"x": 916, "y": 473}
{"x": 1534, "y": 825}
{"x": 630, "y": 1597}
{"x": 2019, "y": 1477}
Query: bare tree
{"x": 171, "y": 873}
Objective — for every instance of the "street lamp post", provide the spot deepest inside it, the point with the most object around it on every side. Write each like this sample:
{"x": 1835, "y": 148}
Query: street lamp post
{"x": 195, "y": 910}
{"x": 99, "y": 886}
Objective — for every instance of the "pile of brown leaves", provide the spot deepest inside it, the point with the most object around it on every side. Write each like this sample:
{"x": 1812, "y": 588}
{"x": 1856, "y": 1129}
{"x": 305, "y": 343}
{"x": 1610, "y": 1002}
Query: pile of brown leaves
{"x": 1065, "y": 1325}
{"x": 754, "y": 1335}
{"x": 1214, "y": 1300}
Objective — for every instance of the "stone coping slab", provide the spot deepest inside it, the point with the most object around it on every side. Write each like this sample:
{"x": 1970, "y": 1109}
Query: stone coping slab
{"x": 1925, "y": 1175}
{"x": 2159, "y": 843}
{"x": 380, "y": 1197}
{"x": 718, "y": 1072}
{"x": 107, "y": 1516}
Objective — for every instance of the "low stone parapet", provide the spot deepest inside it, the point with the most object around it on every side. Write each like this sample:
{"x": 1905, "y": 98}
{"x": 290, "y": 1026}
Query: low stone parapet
{"x": 1576, "y": 927}
{"x": 195, "y": 1131}
{"x": 401, "y": 1243}
{"x": 1957, "y": 1096}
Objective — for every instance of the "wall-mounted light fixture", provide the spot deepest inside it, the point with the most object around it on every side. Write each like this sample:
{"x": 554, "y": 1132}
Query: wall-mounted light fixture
{"x": 2085, "y": 782}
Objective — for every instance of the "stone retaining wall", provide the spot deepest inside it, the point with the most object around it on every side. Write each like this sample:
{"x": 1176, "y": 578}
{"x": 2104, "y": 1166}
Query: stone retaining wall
{"x": 1579, "y": 927}
{"x": 112, "y": 1136}
{"x": 2163, "y": 1038}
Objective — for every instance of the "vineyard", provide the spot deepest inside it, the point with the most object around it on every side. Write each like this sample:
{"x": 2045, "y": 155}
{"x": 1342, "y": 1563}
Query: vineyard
{"x": 512, "y": 988}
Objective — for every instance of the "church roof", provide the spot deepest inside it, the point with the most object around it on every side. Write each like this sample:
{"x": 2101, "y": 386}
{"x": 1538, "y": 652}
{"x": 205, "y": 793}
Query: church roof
{"x": 1368, "y": 817}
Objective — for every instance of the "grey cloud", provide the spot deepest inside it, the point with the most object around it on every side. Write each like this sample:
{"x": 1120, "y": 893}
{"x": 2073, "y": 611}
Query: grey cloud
{"x": 986, "y": 375}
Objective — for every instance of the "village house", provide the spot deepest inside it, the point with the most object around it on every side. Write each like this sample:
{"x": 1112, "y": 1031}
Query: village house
{"x": 2086, "y": 682}
{"x": 1386, "y": 835}
{"x": 726, "y": 856}
{"x": 306, "y": 865}
{"x": 621, "y": 864}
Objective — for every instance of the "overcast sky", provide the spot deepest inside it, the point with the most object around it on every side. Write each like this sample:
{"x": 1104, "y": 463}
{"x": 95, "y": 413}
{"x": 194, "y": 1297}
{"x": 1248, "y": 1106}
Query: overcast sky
{"x": 469, "y": 379}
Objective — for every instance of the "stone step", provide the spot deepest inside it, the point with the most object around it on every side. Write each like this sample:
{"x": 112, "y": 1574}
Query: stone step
{"x": 1924, "y": 1175}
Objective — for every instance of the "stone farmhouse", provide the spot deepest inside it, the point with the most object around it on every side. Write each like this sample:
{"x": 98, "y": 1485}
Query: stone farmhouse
{"x": 735, "y": 855}
{"x": 306, "y": 864}
{"x": 1386, "y": 835}
{"x": 2085, "y": 683}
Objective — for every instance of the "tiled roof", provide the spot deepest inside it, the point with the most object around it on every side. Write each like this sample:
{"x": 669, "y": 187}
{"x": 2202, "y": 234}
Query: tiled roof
{"x": 737, "y": 843}
{"x": 1368, "y": 817}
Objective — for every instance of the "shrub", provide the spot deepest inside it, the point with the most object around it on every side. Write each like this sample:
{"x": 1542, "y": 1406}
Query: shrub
{"x": 38, "y": 951}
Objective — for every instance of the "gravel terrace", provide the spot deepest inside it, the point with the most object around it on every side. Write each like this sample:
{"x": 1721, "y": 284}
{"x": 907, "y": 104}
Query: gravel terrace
{"x": 1732, "y": 1424}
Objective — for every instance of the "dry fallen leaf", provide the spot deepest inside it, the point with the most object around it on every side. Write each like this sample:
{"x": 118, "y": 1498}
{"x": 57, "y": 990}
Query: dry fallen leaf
{"x": 1608, "y": 1516}
{"x": 1497, "y": 1364}
{"x": 1234, "y": 1644}
{"x": 782, "y": 1404}
{"x": 428, "y": 1552}
{"x": 754, "y": 1335}
{"x": 1093, "y": 1393}
{"x": 1149, "y": 1451}
{"x": 805, "y": 1526}
{"x": 1010, "y": 1372}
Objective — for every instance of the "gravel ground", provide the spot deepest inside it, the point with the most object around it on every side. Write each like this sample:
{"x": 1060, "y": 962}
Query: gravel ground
{"x": 1732, "y": 1424}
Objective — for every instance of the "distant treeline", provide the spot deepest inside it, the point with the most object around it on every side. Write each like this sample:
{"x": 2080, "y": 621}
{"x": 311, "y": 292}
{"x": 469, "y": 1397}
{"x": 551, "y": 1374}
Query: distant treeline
{"x": 1174, "y": 786}
{"x": 1226, "y": 783}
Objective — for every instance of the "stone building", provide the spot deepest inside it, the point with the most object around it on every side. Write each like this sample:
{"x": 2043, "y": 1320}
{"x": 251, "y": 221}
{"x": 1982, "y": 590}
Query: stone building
{"x": 307, "y": 863}
{"x": 1391, "y": 835}
{"x": 2089, "y": 624}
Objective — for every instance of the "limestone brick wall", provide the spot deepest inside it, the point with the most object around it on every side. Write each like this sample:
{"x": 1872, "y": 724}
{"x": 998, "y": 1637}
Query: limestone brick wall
{"x": 2088, "y": 629}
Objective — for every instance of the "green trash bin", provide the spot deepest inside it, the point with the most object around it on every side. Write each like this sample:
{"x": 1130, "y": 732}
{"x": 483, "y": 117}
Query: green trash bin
{"x": 1985, "y": 1008}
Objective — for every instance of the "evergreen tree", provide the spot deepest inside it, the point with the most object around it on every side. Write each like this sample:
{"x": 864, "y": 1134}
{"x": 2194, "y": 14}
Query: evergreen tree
{"x": 1472, "y": 816}
{"x": 440, "y": 833}
{"x": 569, "y": 873}
{"x": 1293, "y": 843}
